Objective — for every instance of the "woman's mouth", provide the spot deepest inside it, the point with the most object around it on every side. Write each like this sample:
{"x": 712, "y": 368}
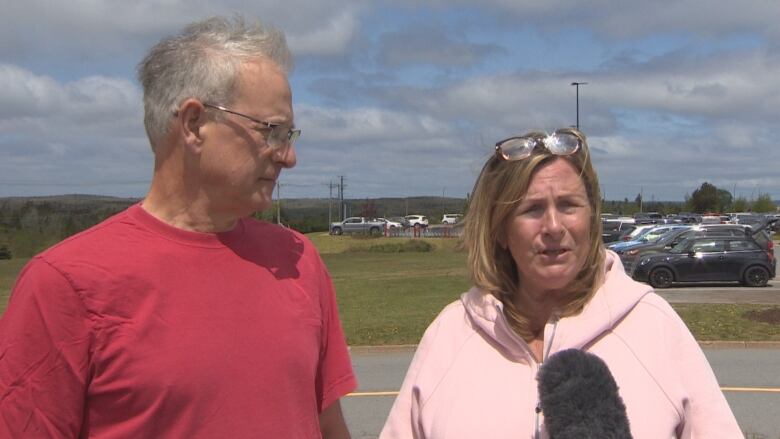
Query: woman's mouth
{"x": 553, "y": 252}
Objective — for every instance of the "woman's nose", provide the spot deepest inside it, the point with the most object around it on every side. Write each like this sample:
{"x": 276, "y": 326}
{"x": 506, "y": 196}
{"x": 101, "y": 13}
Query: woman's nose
{"x": 552, "y": 222}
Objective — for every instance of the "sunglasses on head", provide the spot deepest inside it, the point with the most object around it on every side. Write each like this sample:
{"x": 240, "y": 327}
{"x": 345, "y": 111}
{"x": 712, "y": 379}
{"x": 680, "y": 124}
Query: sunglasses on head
{"x": 560, "y": 142}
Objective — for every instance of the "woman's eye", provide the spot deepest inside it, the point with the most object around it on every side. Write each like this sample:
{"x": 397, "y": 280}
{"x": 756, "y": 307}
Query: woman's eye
{"x": 532, "y": 209}
{"x": 569, "y": 207}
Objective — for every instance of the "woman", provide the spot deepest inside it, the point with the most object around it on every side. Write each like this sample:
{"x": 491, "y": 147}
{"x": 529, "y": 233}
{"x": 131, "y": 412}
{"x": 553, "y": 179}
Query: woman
{"x": 544, "y": 283}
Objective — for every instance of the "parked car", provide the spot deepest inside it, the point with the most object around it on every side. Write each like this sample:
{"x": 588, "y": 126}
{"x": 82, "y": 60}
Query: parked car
{"x": 401, "y": 220}
{"x": 648, "y": 218}
{"x": 752, "y": 220}
{"x": 709, "y": 259}
{"x": 390, "y": 224}
{"x": 638, "y": 232}
{"x": 629, "y": 255}
{"x": 647, "y": 234}
{"x": 613, "y": 230}
{"x": 357, "y": 224}
{"x": 451, "y": 218}
{"x": 417, "y": 220}
{"x": 657, "y": 232}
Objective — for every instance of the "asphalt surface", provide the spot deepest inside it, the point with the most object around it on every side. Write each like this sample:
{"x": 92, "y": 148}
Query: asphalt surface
{"x": 747, "y": 375}
{"x": 723, "y": 293}
{"x": 746, "y": 371}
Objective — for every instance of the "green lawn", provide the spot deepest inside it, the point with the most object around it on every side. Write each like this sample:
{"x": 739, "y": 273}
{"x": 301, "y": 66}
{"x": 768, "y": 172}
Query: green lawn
{"x": 9, "y": 269}
{"x": 390, "y": 298}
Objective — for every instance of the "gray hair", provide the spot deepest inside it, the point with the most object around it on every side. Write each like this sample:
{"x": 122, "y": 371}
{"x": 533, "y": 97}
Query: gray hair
{"x": 202, "y": 62}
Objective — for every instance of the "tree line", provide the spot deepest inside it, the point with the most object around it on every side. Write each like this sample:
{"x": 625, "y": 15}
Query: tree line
{"x": 707, "y": 198}
{"x": 31, "y": 224}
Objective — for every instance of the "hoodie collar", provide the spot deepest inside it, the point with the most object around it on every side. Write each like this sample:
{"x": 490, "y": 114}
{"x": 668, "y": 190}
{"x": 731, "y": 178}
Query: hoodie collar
{"x": 616, "y": 297}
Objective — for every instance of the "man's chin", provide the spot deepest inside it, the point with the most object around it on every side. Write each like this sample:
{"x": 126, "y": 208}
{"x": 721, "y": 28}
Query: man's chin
{"x": 261, "y": 204}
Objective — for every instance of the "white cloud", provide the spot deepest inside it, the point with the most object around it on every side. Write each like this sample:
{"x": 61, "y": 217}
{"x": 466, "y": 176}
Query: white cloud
{"x": 81, "y": 136}
{"x": 333, "y": 37}
{"x": 362, "y": 126}
{"x": 664, "y": 108}
{"x": 635, "y": 18}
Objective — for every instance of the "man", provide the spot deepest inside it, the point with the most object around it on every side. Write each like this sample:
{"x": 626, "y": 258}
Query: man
{"x": 180, "y": 317}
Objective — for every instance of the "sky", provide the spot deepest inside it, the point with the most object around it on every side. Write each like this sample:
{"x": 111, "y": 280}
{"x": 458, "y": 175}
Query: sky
{"x": 407, "y": 98}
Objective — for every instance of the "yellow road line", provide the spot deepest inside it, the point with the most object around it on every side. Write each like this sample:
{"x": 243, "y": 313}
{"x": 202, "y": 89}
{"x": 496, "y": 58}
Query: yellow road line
{"x": 725, "y": 389}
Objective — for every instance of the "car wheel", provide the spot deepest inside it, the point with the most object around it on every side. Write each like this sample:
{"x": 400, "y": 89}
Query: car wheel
{"x": 661, "y": 278}
{"x": 756, "y": 276}
{"x": 337, "y": 230}
{"x": 374, "y": 231}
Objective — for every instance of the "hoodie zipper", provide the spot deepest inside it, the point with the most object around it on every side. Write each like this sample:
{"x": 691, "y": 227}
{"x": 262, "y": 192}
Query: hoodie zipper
{"x": 538, "y": 410}
{"x": 545, "y": 354}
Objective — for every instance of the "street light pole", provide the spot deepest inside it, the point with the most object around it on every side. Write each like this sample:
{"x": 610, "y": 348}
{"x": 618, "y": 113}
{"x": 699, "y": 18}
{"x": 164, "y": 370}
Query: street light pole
{"x": 577, "y": 87}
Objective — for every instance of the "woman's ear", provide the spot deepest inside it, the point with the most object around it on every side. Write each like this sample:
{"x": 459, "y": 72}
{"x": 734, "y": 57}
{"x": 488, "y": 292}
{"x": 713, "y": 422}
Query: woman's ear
{"x": 501, "y": 238}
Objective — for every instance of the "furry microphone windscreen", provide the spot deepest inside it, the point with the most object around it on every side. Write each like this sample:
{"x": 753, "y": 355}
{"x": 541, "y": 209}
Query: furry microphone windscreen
{"x": 579, "y": 398}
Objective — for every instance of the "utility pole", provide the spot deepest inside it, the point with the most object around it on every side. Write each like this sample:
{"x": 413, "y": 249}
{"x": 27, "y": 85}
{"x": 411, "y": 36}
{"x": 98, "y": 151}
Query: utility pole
{"x": 342, "y": 206}
{"x": 442, "y": 202}
{"x": 641, "y": 197}
{"x": 577, "y": 86}
{"x": 331, "y": 185}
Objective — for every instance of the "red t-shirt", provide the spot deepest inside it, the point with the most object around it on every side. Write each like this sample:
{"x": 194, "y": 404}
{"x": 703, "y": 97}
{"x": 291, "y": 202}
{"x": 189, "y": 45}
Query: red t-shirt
{"x": 136, "y": 329}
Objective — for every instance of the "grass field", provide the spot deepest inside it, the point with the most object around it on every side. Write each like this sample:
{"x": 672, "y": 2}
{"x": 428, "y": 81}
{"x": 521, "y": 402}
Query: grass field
{"x": 390, "y": 298}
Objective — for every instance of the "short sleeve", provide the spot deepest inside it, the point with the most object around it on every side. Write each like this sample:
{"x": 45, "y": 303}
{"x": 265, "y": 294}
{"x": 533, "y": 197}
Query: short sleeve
{"x": 335, "y": 377}
{"x": 44, "y": 356}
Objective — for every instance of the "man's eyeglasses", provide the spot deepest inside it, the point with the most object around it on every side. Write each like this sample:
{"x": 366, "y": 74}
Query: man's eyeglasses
{"x": 278, "y": 138}
{"x": 561, "y": 142}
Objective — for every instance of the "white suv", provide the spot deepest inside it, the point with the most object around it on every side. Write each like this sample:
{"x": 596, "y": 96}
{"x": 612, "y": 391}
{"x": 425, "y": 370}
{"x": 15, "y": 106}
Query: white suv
{"x": 417, "y": 220}
{"x": 450, "y": 218}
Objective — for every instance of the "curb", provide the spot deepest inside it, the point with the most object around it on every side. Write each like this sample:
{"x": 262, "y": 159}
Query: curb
{"x": 736, "y": 344}
{"x": 709, "y": 344}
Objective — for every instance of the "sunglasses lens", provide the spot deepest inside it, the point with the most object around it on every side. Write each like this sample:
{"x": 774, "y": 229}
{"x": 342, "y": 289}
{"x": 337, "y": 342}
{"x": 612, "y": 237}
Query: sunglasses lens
{"x": 515, "y": 149}
{"x": 562, "y": 143}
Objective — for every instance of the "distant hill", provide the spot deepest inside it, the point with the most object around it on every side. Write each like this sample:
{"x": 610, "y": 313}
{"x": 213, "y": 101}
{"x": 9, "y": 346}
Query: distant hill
{"x": 31, "y": 224}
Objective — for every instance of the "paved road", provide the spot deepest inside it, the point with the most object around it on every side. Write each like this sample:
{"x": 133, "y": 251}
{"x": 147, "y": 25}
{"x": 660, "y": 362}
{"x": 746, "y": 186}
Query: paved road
{"x": 748, "y": 376}
{"x": 723, "y": 293}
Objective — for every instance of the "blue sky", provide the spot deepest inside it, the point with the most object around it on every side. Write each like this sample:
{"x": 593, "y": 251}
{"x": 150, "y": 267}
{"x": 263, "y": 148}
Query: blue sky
{"x": 407, "y": 98}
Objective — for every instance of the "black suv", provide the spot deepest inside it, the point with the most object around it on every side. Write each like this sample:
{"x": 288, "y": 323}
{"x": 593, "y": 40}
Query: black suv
{"x": 709, "y": 259}
{"x": 630, "y": 255}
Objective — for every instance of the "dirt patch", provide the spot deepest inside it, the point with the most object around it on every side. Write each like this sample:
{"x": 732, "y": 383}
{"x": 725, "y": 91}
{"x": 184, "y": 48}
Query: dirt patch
{"x": 771, "y": 315}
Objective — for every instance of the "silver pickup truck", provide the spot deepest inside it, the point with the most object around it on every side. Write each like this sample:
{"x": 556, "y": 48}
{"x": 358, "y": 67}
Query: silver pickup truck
{"x": 357, "y": 224}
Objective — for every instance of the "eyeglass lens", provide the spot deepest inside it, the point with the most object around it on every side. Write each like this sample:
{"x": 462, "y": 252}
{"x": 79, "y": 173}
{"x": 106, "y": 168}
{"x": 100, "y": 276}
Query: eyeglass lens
{"x": 562, "y": 143}
{"x": 522, "y": 147}
{"x": 281, "y": 137}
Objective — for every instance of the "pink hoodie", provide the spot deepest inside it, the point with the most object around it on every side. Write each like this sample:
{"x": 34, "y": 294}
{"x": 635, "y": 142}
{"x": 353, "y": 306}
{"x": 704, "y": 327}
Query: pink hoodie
{"x": 473, "y": 377}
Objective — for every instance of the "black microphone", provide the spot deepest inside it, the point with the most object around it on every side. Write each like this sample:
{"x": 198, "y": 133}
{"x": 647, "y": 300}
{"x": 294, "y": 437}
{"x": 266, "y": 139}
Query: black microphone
{"x": 579, "y": 398}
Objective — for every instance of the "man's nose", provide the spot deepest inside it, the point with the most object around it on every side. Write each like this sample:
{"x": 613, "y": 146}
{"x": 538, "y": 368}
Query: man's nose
{"x": 286, "y": 156}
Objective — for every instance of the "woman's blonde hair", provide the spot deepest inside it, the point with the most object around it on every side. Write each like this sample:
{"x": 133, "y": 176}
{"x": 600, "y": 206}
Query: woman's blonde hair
{"x": 501, "y": 185}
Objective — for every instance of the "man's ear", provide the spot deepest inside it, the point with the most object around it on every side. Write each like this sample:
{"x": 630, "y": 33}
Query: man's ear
{"x": 189, "y": 121}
